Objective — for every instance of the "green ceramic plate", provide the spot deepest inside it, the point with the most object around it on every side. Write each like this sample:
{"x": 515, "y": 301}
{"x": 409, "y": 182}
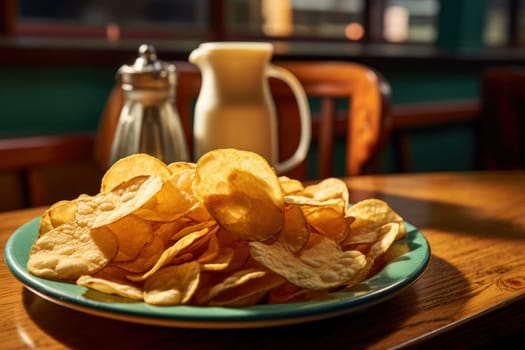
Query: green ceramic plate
{"x": 396, "y": 276}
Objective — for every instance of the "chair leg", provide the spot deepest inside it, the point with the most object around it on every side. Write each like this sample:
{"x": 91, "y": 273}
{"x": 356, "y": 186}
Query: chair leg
{"x": 326, "y": 136}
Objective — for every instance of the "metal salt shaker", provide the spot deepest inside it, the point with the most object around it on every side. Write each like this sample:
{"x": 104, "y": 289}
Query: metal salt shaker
{"x": 149, "y": 121}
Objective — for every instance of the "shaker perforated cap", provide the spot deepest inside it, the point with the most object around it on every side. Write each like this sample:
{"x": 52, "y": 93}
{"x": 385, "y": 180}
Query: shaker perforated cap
{"x": 147, "y": 72}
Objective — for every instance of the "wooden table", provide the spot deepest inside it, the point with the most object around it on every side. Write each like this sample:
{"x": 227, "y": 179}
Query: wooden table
{"x": 472, "y": 293}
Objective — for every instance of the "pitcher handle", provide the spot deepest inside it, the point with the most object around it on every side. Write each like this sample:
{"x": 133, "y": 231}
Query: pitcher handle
{"x": 304, "y": 113}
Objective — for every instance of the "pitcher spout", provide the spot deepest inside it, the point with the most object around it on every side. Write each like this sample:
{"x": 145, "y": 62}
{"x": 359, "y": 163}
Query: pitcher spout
{"x": 196, "y": 56}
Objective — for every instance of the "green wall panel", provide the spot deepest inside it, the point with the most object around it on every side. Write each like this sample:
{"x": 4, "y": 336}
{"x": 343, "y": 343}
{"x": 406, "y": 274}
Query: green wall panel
{"x": 433, "y": 84}
{"x": 52, "y": 100}
{"x": 443, "y": 149}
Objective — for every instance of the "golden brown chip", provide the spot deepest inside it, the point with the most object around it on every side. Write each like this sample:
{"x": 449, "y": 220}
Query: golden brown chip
{"x": 212, "y": 251}
{"x": 329, "y": 223}
{"x": 288, "y": 292}
{"x": 146, "y": 258}
{"x": 226, "y": 283}
{"x": 220, "y": 262}
{"x": 111, "y": 280}
{"x": 290, "y": 186}
{"x": 58, "y": 214}
{"x": 330, "y": 188}
{"x": 70, "y": 251}
{"x": 134, "y": 165}
{"x": 175, "y": 198}
{"x": 241, "y": 192}
{"x": 295, "y": 231}
{"x": 190, "y": 228}
{"x": 172, "y": 252}
{"x": 248, "y": 293}
{"x": 108, "y": 207}
{"x": 386, "y": 236}
{"x": 176, "y": 166}
{"x": 320, "y": 265}
{"x": 172, "y": 285}
{"x": 133, "y": 234}
{"x": 308, "y": 201}
{"x": 240, "y": 248}
{"x": 370, "y": 215}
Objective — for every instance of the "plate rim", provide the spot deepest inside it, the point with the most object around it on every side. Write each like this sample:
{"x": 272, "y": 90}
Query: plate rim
{"x": 224, "y": 317}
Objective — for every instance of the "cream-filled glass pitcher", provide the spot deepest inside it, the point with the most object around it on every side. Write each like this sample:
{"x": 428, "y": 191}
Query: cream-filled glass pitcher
{"x": 235, "y": 108}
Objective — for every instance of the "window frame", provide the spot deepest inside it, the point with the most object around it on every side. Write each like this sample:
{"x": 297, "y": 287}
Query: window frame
{"x": 372, "y": 49}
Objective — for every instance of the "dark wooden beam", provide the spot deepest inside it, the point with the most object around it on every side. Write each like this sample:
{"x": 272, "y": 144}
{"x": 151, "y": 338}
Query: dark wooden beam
{"x": 7, "y": 17}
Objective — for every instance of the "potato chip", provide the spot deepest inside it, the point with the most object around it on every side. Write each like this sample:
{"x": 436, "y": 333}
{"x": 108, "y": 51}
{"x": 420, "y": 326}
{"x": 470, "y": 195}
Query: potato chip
{"x": 227, "y": 282}
{"x": 295, "y": 231}
{"x": 212, "y": 251}
{"x": 248, "y": 293}
{"x": 146, "y": 258}
{"x": 239, "y": 246}
{"x": 133, "y": 234}
{"x": 165, "y": 230}
{"x": 111, "y": 280}
{"x": 176, "y": 166}
{"x": 329, "y": 223}
{"x": 290, "y": 186}
{"x": 241, "y": 192}
{"x": 330, "y": 188}
{"x": 134, "y": 165}
{"x": 288, "y": 292}
{"x": 370, "y": 215}
{"x": 58, "y": 214}
{"x": 172, "y": 252}
{"x": 386, "y": 236}
{"x": 308, "y": 201}
{"x": 70, "y": 251}
{"x": 320, "y": 265}
{"x": 190, "y": 228}
{"x": 174, "y": 199}
{"x": 108, "y": 207}
{"x": 172, "y": 285}
{"x": 220, "y": 262}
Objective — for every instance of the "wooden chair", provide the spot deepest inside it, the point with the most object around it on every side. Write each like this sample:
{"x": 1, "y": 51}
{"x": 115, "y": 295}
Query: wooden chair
{"x": 363, "y": 122}
{"x": 40, "y": 170}
{"x": 78, "y": 161}
{"x": 502, "y": 118}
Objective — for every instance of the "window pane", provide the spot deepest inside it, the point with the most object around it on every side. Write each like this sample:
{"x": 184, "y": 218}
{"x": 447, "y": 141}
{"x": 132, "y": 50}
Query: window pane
{"x": 520, "y": 25}
{"x": 144, "y": 16}
{"x": 334, "y": 19}
{"x": 496, "y": 23}
{"x": 410, "y": 20}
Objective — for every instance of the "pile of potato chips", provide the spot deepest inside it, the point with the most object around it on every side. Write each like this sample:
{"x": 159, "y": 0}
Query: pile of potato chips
{"x": 225, "y": 231}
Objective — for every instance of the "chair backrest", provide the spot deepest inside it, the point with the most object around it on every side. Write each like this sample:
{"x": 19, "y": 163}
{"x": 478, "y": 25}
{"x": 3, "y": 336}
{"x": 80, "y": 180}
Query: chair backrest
{"x": 502, "y": 119}
{"x": 40, "y": 170}
{"x": 364, "y": 122}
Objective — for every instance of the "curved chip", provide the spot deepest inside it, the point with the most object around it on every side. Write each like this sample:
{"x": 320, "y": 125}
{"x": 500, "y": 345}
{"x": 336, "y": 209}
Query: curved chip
{"x": 111, "y": 280}
{"x": 172, "y": 285}
{"x": 241, "y": 192}
{"x": 57, "y": 214}
{"x": 70, "y": 251}
{"x": 320, "y": 265}
{"x": 139, "y": 164}
{"x": 370, "y": 215}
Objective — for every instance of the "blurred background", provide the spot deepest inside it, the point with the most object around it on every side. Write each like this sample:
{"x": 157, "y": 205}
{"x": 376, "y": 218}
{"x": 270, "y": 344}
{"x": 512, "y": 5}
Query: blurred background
{"x": 59, "y": 58}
